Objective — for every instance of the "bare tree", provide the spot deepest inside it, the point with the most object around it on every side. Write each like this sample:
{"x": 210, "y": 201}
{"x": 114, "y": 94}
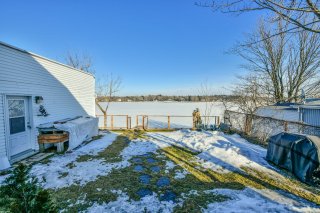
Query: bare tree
{"x": 286, "y": 63}
{"x": 106, "y": 89}
{"x": 278, "y": 68}
{"x": 80, "y": 61}
{"x": 106, "y": 86}
{"x": 303, "y": 65}
{"x": 206, "y": 92}
{"x": 250, "y": 95}
{"x": 290, "y": 10}
{"x": 266, "y": 58}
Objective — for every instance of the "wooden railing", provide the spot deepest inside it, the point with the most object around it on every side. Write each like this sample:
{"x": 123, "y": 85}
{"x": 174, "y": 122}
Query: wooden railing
{"x": 143, "y": 122}
{"x": 112, "y": 125}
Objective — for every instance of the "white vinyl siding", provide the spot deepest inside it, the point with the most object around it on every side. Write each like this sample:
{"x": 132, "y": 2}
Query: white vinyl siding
{"x": 66, "y": 92}
{"x": 2, "y": 128}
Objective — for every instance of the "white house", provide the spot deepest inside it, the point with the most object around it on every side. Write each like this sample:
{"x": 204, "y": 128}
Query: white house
{"x": 29, "y": 82}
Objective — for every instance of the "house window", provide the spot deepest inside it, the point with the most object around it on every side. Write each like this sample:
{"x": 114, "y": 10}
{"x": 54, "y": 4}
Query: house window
{"x": 17, "y": 116}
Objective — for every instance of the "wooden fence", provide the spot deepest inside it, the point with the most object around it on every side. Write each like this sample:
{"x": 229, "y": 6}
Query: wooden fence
{"x": 110, "y": 122}
{"x": 146, "y": 122}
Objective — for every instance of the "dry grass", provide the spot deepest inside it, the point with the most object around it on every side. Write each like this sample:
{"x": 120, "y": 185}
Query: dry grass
{"x": 249, "y": 178}
{"x": 110, "y": 154}
{"x": 127, "y": 180}
{"x": 199, "y": 179}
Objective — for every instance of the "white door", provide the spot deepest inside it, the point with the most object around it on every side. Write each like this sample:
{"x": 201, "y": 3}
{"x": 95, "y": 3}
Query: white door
{"x": 19, "y": 124}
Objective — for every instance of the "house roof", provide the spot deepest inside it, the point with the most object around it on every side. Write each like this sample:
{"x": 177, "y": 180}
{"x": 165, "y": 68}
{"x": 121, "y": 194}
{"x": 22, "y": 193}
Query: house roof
{"x": 279, "y": 112}
{"x": 288, "y": 111}
{"x": 284, "y": 104}
{"x": 313, "y": 102}
{"x": 39, "y": 56}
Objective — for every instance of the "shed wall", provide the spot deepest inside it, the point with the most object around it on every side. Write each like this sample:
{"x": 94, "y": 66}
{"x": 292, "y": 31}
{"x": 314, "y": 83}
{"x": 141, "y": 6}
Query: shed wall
{"x": 311, "y": 116}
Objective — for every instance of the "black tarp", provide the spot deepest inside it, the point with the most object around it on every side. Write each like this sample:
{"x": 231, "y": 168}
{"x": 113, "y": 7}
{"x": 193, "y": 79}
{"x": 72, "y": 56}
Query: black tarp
{"x": 299, "y": 154}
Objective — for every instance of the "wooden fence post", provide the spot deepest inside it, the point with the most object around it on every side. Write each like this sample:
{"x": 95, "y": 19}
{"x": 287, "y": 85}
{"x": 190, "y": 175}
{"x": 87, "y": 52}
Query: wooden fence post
{"x": 137, "y": 121}
{"x": 168, "y": 122}
{"x": 105, "y": 120}
{"x": 147, "y": 122}
{"x": 127, "y": 122}
{"x": 143, "y": 122}
{"x": 111, "y": 121}
{"x": 248, "y": 124}
{"x": 285, "y": 125}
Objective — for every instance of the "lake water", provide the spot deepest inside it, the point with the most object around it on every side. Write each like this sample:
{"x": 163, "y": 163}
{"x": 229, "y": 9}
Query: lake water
{"x": 133, "y": 109}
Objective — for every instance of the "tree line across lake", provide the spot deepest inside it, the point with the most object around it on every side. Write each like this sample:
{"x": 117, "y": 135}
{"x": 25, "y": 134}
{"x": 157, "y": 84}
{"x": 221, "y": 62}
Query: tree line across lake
{"x": 186, "y": 98}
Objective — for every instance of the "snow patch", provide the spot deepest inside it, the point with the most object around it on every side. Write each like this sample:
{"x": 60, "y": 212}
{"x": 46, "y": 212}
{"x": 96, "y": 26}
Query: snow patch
{"x": 64, "y": 170}
{"x": 215, "y": 146}
{"x": 124, "y": 204}
{"x": 170, "y": 165}
{"x": 250, "y": 200}
{"x": 2, "y": 178}
{"x": 228, "y": 153}
{"x": 138, "y": 147}
{"x": 51, "y": 175}
{"x": 181, "y": 174}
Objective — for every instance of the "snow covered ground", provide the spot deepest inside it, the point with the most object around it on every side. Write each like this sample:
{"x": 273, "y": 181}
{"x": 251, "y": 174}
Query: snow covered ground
{"x": 217, "y": 151}
{"x": 226, "y": 153}
{"x": 51, "y": 175}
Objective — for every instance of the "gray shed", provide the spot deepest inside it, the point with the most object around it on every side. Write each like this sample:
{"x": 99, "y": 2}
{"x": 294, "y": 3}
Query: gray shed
{"x": 310, "y": 115}
{"x": 299, "y": 154}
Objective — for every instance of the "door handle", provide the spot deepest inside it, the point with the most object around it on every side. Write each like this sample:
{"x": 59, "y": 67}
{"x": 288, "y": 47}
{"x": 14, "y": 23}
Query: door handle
{"x": 29, "y": 125}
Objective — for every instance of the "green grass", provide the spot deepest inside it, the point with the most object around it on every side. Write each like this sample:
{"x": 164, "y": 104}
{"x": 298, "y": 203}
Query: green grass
{"x": 5, "y": 172}
{"x": 127, "y": 180}
{"x": 64, "y": 174}
{"x": 47, "y": 160}
{"x": 71, "y": 165}
{"x": 195, "y": 203}
{"x": 250, "y": 177}
{"x": 199, "y": 179}
{"x": 111, "y": 154}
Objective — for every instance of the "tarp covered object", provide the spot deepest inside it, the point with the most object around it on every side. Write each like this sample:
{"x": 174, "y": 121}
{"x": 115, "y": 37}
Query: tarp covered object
{"x": 80, "y": 130}
{"x": 299, "y": 154}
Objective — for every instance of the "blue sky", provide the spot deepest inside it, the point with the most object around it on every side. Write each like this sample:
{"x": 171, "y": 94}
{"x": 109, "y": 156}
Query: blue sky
{"x": 156, "y": 46}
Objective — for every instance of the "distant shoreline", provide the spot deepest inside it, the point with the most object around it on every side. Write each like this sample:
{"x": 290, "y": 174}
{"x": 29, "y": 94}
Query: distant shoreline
{"x": 161, "y": 98}
{"x": 217, "y": 101}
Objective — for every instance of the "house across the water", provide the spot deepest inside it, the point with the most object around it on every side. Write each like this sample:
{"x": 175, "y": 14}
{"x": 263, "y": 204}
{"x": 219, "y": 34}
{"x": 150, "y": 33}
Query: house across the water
{"x": 36, "y": 90}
